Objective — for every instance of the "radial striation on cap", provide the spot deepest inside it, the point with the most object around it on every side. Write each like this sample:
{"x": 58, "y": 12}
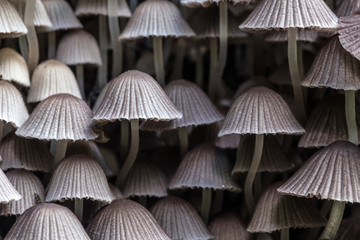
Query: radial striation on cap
{"x": 349, "y": 35}
{"x": 336, "y": 175}
{"x": 207, "y": 3}
{"x": 179, "y": 219}
{"x": 125, "y": 219}
{"x": 57, "y": 222}
{"x": 13, "y": 67}
{"x": 347, "y": 7}
{"x": 228, "y": 226}
{"x": 7, "y": 191}
{"x": 100, "y": 7}
{"x": 260, "y": 111}
{"x": 11, "y": 23}
{"x": 310, "y": 36}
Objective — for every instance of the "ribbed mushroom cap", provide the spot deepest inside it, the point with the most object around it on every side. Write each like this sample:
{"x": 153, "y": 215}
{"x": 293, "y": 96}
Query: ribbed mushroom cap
{"x": 145, "y": 179}
{"x": 12, "y": 107}
{"x": 30, "y": 188}
{"x": 336, "y": 174}
{"x": 156, "y": 18}
{"x": 13, "y": 67}
{"x": 206, "y": 3}
{"x": 126, "y": 220}
{"x": 204, "y": 167}
{"x": 273, "y": 158}
{"x": 47, "y": 221}
{"x": 302, "y": 36}
{"x": 61, "y": 15}
{"x": 100, "y": 7}
{"x": 11, "y": 23}
{"x": 196, "y": 107}
{"x": 7, "y": 191}
{"x": 78, "y": 47}
{"x": 347, "y": 7}
{"x": 349, "y": 229}
{"x": 52, "y": 77}
{"x": 285, "y": 14}
{"x": 135, "y": 95}
{"x": 228, "y": 227}
{"x": 180, "y": 220}
{"x": 260, "y": 111}
{"x": 335, "y": 68}
{"x": 21, "y": 153}
{"x": 67, "y": 118}
{"x": 80, "y": 177}
{"x": 275, "y": 211}
{"x": 349, "y": 35}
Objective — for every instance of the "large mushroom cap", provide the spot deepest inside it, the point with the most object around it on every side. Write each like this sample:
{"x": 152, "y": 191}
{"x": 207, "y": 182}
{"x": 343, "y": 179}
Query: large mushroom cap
{"x": 349, "y": 35}
{"x": 228, "y": 226}
{"x": 125, "y": 219}
{"x": 67, "y": 118}
{"x": 13, "y": 67}
{"x": 47, "y": 221}
{"x": 100, "y": 7}
{"x": 7, "y": 191}
{"x": 11, "y": 23}
{"x": 206, "y": 3}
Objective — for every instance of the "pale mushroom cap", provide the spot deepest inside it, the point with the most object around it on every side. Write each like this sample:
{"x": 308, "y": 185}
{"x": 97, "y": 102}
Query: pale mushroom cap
{"x": 67, "y": 118}
{"x": 11, "y": 23}
{"x": 228, "y": 226}
{"x": 347, "y": 7}
{"x": 13, "y": 67}
{"x": 156, "y": 18}
{"x": 125, "y": 219}
{"x": 301, "y": 36}
{"x": 285, "y": 14}
{"x": 78, "y": 47}
{"x": 135, "y": 95}
{"x": 99, "y": 7}
{"x": 260, "y": 111}
{"x": 12, "y": 107}
{"x": 52, "y": 77}
{"x": 349, "y": 35}
{"x": 30, "y": 188}
{"x": 180, "y": 220}
{"x": 206, "y": 3}
{"x": 336, "y": 174}
{"x": 7, "y": 191}
{"x": 79, "y": 177}
{"x": 55, "y": 221}
{"x": 204, "y": 167}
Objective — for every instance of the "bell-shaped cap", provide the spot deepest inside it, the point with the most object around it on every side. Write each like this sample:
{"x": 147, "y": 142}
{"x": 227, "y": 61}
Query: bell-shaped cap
{"x": 11, "y": 23}
{"x": 78, "y": 47}
{"x": 206, "y": 3}
{"x": 156, "y": 18}
{"x": 52, "y": 77}
{"x": 310, "y": 36}
{"x": 285, "y": 14}
{"x": 21, "y": 153}
{"x": 331, "y": 173}
{"x": 196, "y": 107}
{"x": 67, "y": 118}
{"x": 275, "y": 211}
{"x": 126, "y": 220}
{"x": 260, "y": 111}
{"x": 335, "y": 68}
{"x": 135, "y": 95}
{"x": 80, "y": 177}
{"x": 47, "y": 221}
{"x": 100, "y": 7}
{"x": 30, "y": 188}
{"x": 349, "y": 35}
{"x": 12, "y": 107}
{"x": 13, "y": 67}
{"x": 228, "y": 226}
{"x": 179, "y": 219}
{"x": 204, "y": 167}
{"x": 7, "y": 191}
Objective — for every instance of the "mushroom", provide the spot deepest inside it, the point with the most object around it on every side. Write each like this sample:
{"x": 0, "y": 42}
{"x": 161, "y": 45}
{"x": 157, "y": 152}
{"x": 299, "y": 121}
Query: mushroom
{"x": 346, "y": 8}
{"x": 8, "y": 193}
{"x": 13, "y": 67}
{"x": 12, "y": 25}
{"x": 349, "y": 30}
{"x": 228, "y": 226}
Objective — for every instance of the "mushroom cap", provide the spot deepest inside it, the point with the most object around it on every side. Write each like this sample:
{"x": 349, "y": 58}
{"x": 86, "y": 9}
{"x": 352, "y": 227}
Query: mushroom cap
{"x": 13, "y": 67}
{"x": 156, "y": 18}
{"x": 12, "y": 107}
{"x": 335, "y": 68}
{"x": 135, "y": 95}
{"x": 310, "y": 36}
{"x": 11, "y": 23}
{"x": 7, "y": 191}
{"x": 57, "y": 222}
{"x": 275, "y": 211}
{"x": 207, "y": 3}
{"x": 30, "y": 188}
{"x": 204, "y": 167}
{"x": 349, "y": 35}
{"x": 196, "y": 107}
{"x": 179, "y": 219}
{"x": 347, "y": 7}
{"x": 125, "y": 219}
{"x": 67, "y": 118}
{"x": 21, "y": 153}
{"x": 285, "y": 14}
{"x": 52, "y": 77}
{"x": 80, "y": 177}
{"x": 78, "y": 47}
{"x": 100, "y": 7}
{"x": 228, "y": 226}
{"x": 260, "y": 111}
{"x": 331, "y": 173}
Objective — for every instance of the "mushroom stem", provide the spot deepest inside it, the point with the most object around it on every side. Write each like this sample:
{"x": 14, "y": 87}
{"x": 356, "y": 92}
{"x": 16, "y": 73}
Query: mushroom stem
{"x": 183, "y": 140}
{"x": 285, "y": 234}
{"x": 33, "y": 44}
{"x": 350, "y": 112}
{"x": 134, "y": 148}
{"x": 295, "y": 74}
{"x": 114, "y": 28}
{"x": 179, "y": 59}
{"x": 300, "y": 60}
{"x": 143, "y": 201}
{"x": 199, "y": 68}
{"x": 249, "y": 197}
{"x": 213, "y": 44}
{"x": 159, "y": 60}
{"x": 60, "y": 152}
{"x": 332, "y": 226}
{"x": 23, "y": 46}
{"x": 124, "y": 138}
{"x": 1, "y": 130}
{"x": 80, "y": 78}
{"x": 206, "y": 204}
{"x": 79, "y": 208}
{"x": 51, "y": 44}
{"x": 102, "y": 71}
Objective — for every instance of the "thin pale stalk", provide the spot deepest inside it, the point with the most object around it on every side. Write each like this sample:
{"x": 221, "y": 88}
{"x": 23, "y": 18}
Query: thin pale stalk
{"x": 179, "y": 59}
{"x": 206, "y": 204}
{"x": 79, "y": 208}
{"x": 102, "y": 71}
{"x": 334, "y": 221}
{"x": 23, "y": 47}
{"x": 183, "y": 141}
{"x": 285, "y": 234}
{"x": 1, "y": 130}
{"x": 199, "y": 68}
{"x": 300, "y": 59}
{"x": 51, "y": 45}
{"x": 33, "y": 44}
{"x": 124, "y": 138}
{"x": 159, "y": 60}
{"x": 60, "y": 153}
{"x": 350, "y": 113}
{"x": 114, "y": 28}
{"x": 80, "y": 79}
